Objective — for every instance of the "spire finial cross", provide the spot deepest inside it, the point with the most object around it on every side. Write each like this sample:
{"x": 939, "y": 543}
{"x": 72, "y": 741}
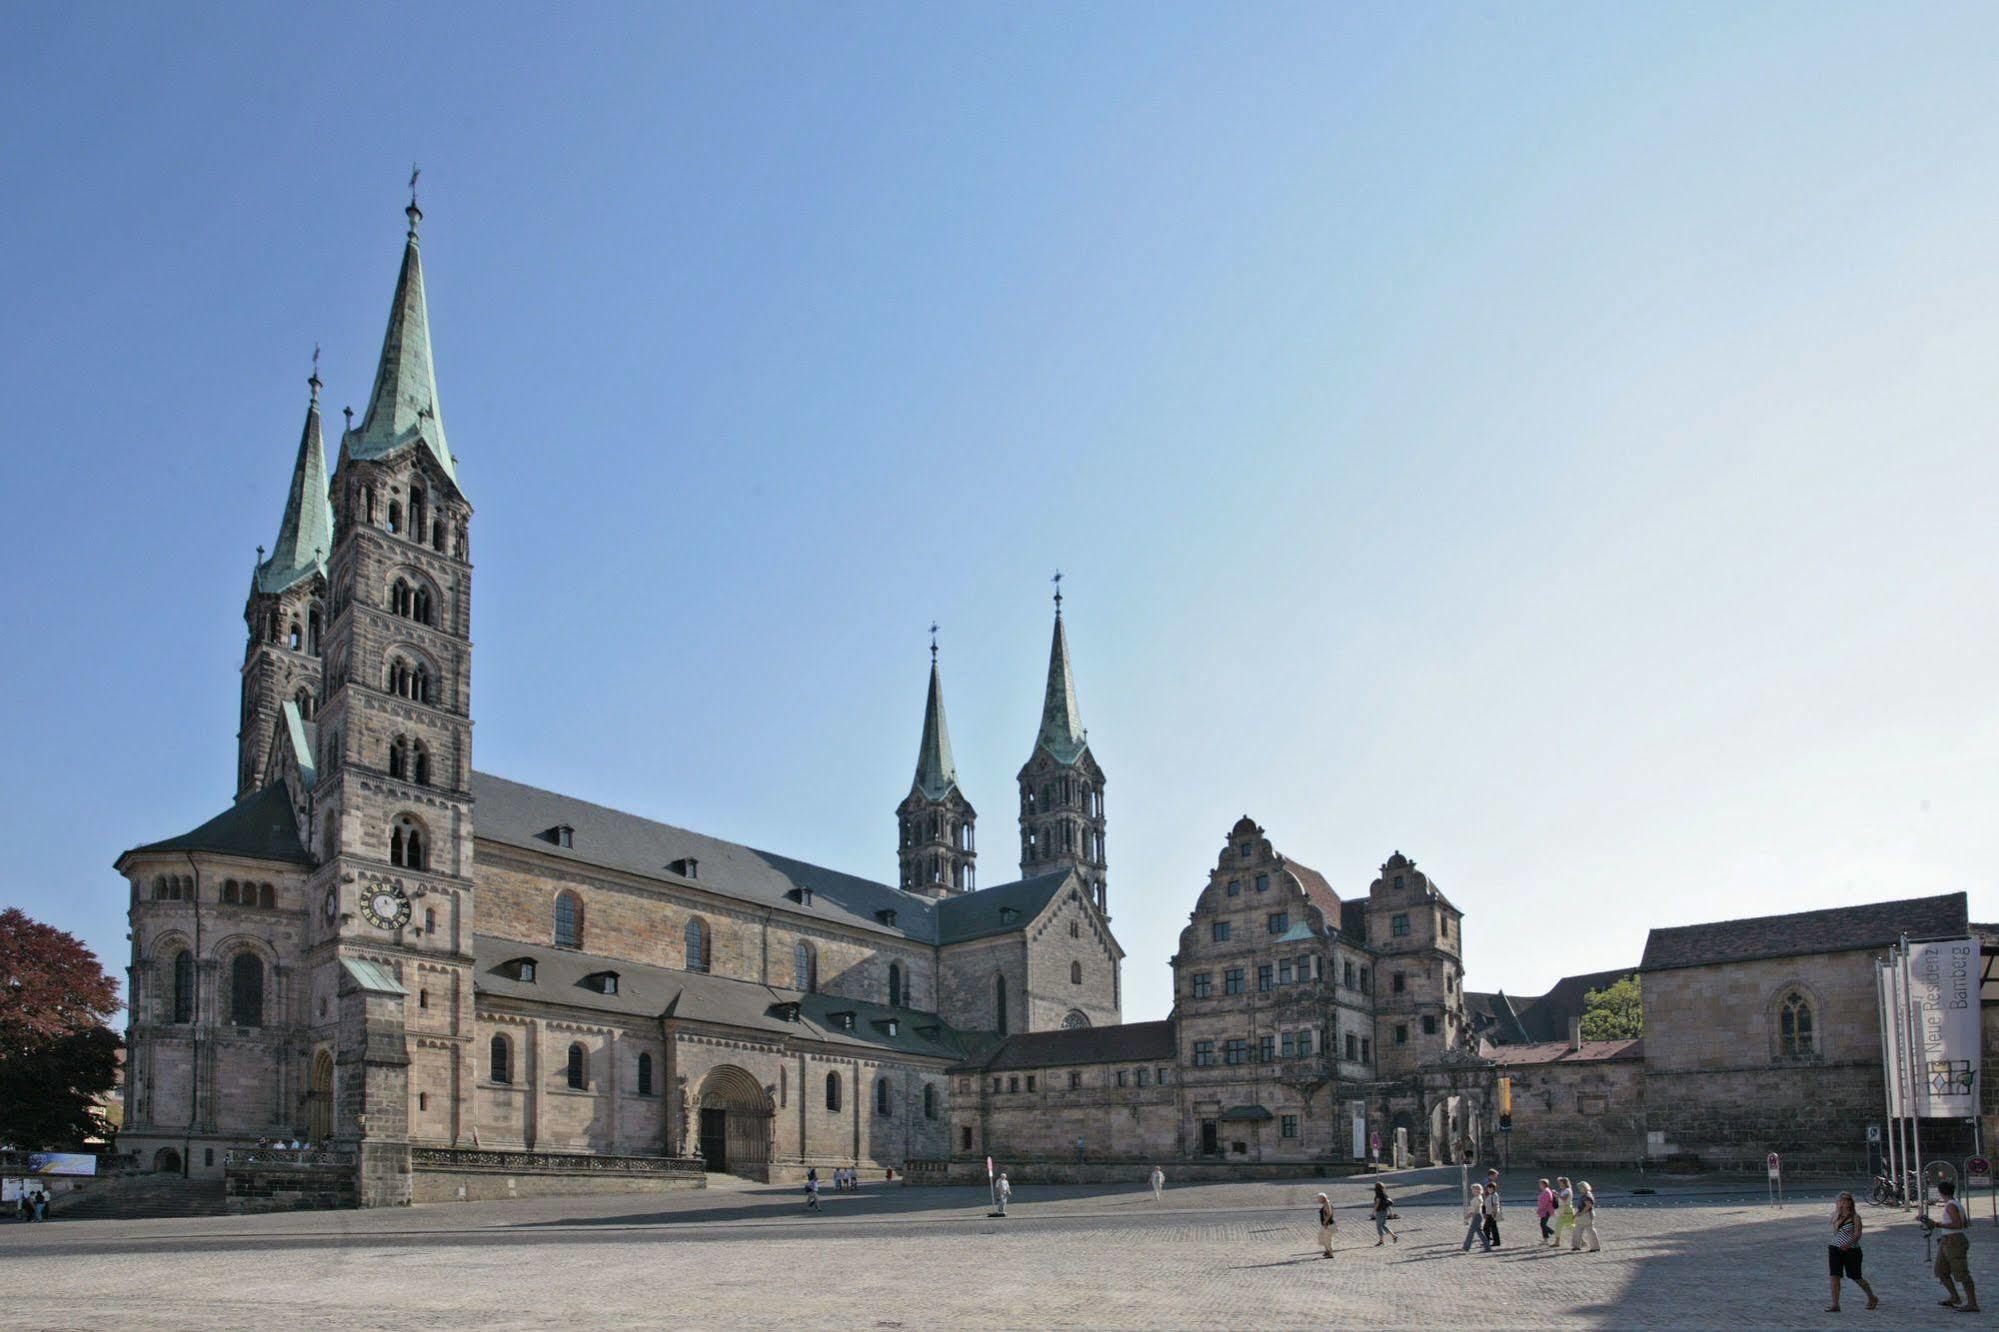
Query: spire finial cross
{"x": 1057, "y": 580}
{"x": 933, "y": 642}
{"x": 415, "y": 171}
{"x": 314, "y": 380}
{"x": 413, "y": 213}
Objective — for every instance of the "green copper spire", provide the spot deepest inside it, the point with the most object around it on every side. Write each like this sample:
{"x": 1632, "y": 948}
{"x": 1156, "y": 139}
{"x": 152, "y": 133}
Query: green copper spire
{"x": 1062, "y": 733}
{"x": 403, "y": 406}
{"x": 936, "y": 770}
{"x": 306, "y": 533}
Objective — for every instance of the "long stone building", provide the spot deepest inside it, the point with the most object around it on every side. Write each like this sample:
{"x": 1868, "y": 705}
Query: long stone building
{"x": 431, "y": 970}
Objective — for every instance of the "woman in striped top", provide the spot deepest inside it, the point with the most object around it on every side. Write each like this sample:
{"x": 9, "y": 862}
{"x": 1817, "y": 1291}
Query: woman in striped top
{"x": 1843, "y": 1254}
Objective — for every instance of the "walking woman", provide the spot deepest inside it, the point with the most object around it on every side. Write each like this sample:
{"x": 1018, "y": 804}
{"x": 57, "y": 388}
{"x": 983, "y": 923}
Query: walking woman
{"x": 1585, "y": 1220}
{"x": 1383, "y": 1209}
{"x": 1843, "y": 1254}
{"x": 1475, "y": 1219}
{"x": 1565, "y": 1207}
{"x": 1544, "y": 1207}
{"x": 1326, "y": 1226}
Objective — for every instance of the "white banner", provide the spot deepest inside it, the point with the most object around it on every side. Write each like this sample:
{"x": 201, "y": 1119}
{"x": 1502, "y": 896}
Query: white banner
{"x": 1887, "y": 985}
{"x": 1943, "y": 981}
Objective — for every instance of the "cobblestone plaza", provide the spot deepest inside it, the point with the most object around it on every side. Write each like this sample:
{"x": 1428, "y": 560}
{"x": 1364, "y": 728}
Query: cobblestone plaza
{"x": 1710, "y": 1253}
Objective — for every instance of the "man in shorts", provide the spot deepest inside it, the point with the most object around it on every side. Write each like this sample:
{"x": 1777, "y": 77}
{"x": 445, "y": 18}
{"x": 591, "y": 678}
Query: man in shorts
{"x": 1953, "y": 1265}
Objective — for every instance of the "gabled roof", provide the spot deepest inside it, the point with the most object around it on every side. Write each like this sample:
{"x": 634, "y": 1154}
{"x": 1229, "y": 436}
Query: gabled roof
{"x": 662, "y": 992}
{"x": 402, "y": 407}
{"x": 1496, "y": 1017}
{"x": 1834, "y": 930}
{"x": 514, "y": 814}
{"x": 258, "y": 827}
{"x": 1125, "y": 1043}
{"x": 305, "y": 534}
{"x": 964, "y": 916}
{"x": 1547, "y": 1018}
{"x": 1558, "y": 1052}
{"x": 1317, "y": 891}
{"x": 936, "y": 770}
{"x": 1061, "y": 733}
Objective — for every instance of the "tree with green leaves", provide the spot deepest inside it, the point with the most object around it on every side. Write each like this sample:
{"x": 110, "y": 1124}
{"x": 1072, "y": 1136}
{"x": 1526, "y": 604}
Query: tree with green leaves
{"x": 58, "y": 1057}
{"x": 1614, "y": 1013}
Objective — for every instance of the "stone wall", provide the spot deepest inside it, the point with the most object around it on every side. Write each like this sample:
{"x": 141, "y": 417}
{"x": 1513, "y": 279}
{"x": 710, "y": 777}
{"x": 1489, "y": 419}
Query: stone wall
{"x": 1570, "y": 1115}
{"x": 481, "y": 1176}
{"x": 1072, "y": 967}
{"x": 264, "y": 1181}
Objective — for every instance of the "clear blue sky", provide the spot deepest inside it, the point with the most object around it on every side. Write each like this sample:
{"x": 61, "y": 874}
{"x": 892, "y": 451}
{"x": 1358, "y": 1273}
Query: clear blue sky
{"x": 1555, "y": 441}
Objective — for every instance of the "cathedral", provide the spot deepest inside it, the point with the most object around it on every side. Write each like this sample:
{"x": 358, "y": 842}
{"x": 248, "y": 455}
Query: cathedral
{"x": 381, "y": 948}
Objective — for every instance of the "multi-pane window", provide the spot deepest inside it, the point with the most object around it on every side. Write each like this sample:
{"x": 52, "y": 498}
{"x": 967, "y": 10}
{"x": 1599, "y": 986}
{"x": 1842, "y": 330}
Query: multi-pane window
{"x": 1429, "y": 1024}
{"x": 1219, "y": 932}
{"x": 1398, "y": 924}
{"x": 884, "y": 1104}
{"x": 1305, "y": 968}
{"x": 1266, "y": 1049}
{"x": 500, "y": 1060}
{"x": 1120, "y": 1077}
{"x": 1030, "y": 1082}
{"x": 579, "y": 1069}
{"x": 1235, "y": 1050}
{"x": 1232, "y": 981}
{"x": 1265, "y": 977}
{"x": 1284, "y": 971}
{"x": 1353, "y": 1044}
{"x": 696, "y": 939}
{"x": 1280, "y": 921}
{"x": 802, "y": 969}
{"x": 1204, "y": 1054}
{"x": 1144, "y": 1076}
{"x": 1794, "y": 1026}
{"x": 1287, "y": 1125}
{"x": 568, "y": 921}
{"x": 1346, "y": 974}
{"x": 1235, "y": 887}
{"x": 833, "y": 1090}
{"x": 1398, "y": 983}
{"x": 1159, "y": 1076}
{"x": 1289, "y": 1046}
{"x": 1262, "y": 883}
{"x": 645, "y": 1074}
{"x": 1366, "y": 1052}
{"x": 246, "y": 990}
{"x": 1204, "y": 984}
{"x": 183, "y": 986}
{"x": 1075, "y": 1080}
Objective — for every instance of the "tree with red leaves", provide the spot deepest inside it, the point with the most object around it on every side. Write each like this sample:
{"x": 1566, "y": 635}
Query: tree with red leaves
{"x": 57, "y": 1055}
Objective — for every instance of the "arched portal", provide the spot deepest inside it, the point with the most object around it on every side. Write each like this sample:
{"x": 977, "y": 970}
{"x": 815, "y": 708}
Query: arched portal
{"x": 736, "y": 1118}
{"x": 319, "y": 1098}
{"x": 166, "y": 1161}
{"x": 1447, "y": 1131}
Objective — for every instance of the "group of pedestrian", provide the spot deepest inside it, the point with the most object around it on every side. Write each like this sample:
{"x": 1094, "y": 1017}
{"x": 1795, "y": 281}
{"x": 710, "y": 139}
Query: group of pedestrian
{"x": 33, "y": 1205}
{"x": 1571, "y": 1208}
{"x": 846, "y": 1179}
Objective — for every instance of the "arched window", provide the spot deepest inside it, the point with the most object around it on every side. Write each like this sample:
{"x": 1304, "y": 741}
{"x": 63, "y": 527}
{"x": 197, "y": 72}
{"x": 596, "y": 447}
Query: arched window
{"x": 303, "y": 698}
{"x": 895, "y": 985}
{"x": 368, "y": 503}
{"x": 399, "y": 757}
{"x": 929, "y": 1100}
{"x": 884, "y": 1098}
{"x": 999, "y": 1003}
{"x": 406, "y": 843}
{"x": 568, "y": 920}
{"x": 500, "y": 1057}
{"x": 395, "y": 517}
{"x": 1074, "y": 1018}
{"x": 409, "y": 760}
{"x": 697, "y": 944}
{"x": 803, "y": 970}
{"x": 183, "y": 995}
{"x": 1075, "y": 973}
{"x": 832, "y": 1091}
{"x": 267, "y": 896}
{"x": 312, "y": 626}
{"x": 229, "y": 892}
{"x": 246, "y": 990}
{"x": 645, "y": 1074}
{"x": 277, "y": 628}
{"x": 579, "y": 1070}
{"x": 416, "y": 512}
{"x": 1795, "y": 1035}
{"x": 295, "y": 637}
{"x": 437, "y": 535}
{"x": 159, "y": 887}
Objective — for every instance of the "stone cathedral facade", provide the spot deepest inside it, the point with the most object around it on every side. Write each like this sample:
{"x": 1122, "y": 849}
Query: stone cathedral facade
{"x": 383, "y": 950}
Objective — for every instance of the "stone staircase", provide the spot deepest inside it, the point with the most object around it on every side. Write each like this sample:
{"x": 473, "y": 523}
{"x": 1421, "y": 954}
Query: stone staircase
{"x": 141, "y": 1197}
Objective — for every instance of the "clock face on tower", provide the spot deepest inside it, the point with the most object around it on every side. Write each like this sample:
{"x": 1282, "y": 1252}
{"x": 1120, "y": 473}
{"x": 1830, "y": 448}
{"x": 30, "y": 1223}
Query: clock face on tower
{"x": 386, "y": 908}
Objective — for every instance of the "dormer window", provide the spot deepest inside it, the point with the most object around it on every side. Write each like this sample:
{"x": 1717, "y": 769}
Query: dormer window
{"x": 687, "y": 867}
{"x": 520, "y": 969}
{"x": 801, "y": 895}
{"x": 892, "y": 1026}
{"x": 562, "y": 835}
{"x": 844, "y": 1020}
{"x": 603, "y": 982}
{"x": 1007, "y": 914}
{"x": 789, "y": 1012}
{"x": 886, "y": 916}
{"x": 929, "y": 1031}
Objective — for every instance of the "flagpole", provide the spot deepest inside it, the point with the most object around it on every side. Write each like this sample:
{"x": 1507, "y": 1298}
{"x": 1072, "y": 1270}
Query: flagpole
{"x": 1884, "y": 1010}
{"x": 1912, "y": 1063}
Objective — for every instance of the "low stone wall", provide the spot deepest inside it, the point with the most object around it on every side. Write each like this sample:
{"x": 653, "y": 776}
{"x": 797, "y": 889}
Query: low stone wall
{"x": 449, "y": 1174}
{"x": 973, "y": 1171}
{"x": 270, "y": 1181}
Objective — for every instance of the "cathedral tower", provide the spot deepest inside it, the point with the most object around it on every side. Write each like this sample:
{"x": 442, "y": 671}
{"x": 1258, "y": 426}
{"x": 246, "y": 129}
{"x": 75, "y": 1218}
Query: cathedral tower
{"x": 937, "y": 848}
{"x": 1061, "y": 786}
{"x": 286, "y": 610}
{"x": 391, "y": 899}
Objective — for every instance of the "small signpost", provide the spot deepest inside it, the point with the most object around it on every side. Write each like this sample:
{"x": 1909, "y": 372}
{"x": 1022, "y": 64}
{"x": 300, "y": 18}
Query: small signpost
{"x": 1776, "y": 1178}
{"x": 1978, "y": 1174}
{"x": 1374, "y": 1144}
{"x": 992, "y": 1188}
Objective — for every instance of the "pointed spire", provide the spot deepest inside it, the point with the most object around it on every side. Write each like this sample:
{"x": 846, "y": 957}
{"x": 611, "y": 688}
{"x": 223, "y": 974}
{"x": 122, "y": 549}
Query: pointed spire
{"x": 936, "y": 770}
{"x": 306, "y": 533}
{"x": 1062, "y": 733}
{"x": 403, "y": 405}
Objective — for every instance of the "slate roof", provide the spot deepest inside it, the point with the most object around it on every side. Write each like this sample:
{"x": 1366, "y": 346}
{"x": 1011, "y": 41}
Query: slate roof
{"x": 1558, "y": 1052}
{"x": 260, "y": 827}
{"x": 1547, "y": 1018}
{"x": 1834, "y": 930}
{"x": 936, "y": 770}
{"x": 976, "y": 915}
{"x": 1495, "y": 1017}
{"x": 518, "y": 815}
{"x": 1062, "y": 733}
{"x": 1125, "y": 1043}
{"x": 654, "y": 992}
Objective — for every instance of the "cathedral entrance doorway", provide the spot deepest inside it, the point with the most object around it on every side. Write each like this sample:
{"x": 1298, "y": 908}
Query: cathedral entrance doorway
{"x": 736, "y": 1118}
{"x": 319, "y": 1099}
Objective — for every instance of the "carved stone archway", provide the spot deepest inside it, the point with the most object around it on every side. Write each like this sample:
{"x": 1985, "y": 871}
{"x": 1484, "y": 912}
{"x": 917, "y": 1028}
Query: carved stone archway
{"x": 733, "y": 1119}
